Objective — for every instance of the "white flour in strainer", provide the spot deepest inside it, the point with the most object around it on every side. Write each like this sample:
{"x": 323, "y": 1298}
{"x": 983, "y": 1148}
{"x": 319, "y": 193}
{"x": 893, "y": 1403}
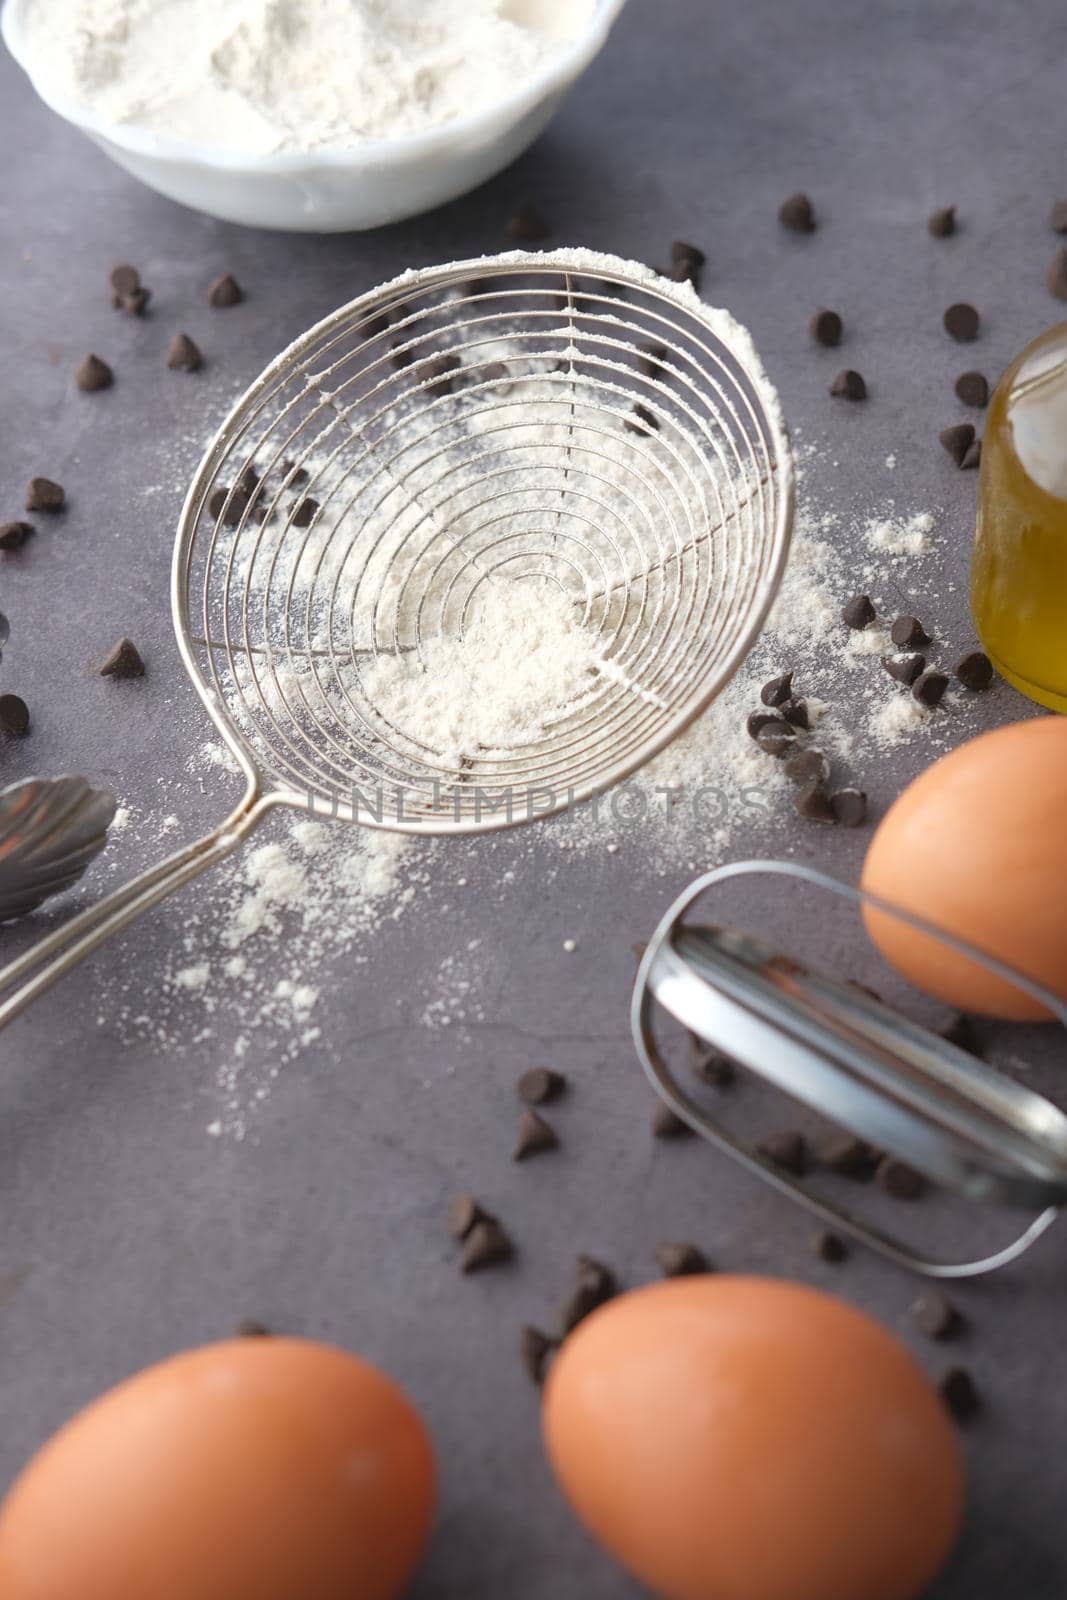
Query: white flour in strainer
{"x": 522, "y": 656}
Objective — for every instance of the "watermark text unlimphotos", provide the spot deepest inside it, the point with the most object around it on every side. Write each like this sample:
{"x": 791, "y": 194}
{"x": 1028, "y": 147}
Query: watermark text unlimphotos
{"x": 624, "y": 805}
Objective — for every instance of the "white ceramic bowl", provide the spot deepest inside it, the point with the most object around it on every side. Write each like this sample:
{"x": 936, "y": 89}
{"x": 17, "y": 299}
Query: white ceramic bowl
{"x": 333, "y": 191}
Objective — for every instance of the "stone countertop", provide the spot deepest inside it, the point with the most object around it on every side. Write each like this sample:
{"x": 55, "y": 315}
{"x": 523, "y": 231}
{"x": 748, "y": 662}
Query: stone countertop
{"x": 151, "y": 1195}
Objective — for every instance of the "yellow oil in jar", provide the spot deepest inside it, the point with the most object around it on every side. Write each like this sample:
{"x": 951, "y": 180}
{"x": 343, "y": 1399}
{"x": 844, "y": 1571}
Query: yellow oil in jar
{"x": 1019, "y": 571}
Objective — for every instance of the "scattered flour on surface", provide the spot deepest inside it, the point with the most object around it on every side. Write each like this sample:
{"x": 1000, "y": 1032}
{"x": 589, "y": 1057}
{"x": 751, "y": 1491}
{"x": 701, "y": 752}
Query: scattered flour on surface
{"x": 279, "y": 918}
{"x": 901, "y": 536}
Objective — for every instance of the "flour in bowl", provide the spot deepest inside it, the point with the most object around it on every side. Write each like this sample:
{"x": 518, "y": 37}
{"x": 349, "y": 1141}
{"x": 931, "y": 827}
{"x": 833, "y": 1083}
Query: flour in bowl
{"x": 275, "y": 75}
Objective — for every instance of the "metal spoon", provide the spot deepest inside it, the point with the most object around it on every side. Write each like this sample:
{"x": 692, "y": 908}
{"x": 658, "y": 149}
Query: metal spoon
{"x": 50, "y": 830}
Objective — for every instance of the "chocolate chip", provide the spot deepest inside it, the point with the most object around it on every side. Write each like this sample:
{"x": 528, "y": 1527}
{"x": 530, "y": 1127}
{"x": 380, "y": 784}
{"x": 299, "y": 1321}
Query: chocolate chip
{"x": 123, "y": 661}
{"x": 829, "y": 1247}
{"x": 250, "y": 480}
{"x": 960, "y": 1031}
{"x": 972, "y": 388}
{"x": 1057, "y": 217}
{"x": 13, "y": 535}
{"x": 595, "y": 1276}
{"x": 957, "y": 440}
{"x": 642, "y": 420}
{"x": 579, "y": 1304}
{"x": 777, "y": 738}
{"x": 539, "y": 1085}
{"x": 709, "y": 1064}
{"x": 972, "y": 456}
{"x": 797, "y": 715}
{"x": 486, "y": 1246}
{"x": 808, "y": 766}
{"x": 43, "y": 494}
{"x": 797, "y": 214}
{"x": 929, "y": 687}
{"x": 680, "y": 251}
{"x": 961, "y": 321}
{"x": 594, "y": 1285}
{"x": 942, "y": 224}
{"x": 225, "y": 291}
{"x": 1056, "y": 276}
{"x": 758, "y": 720}
{"x": 527, "y": 225}
{"x": 535, "y": 1136}
{"x": 959, "y": 1393}
{"x": 813, "y": 803}
{"x": 859, "y": 613}
{"x": 463, "y": 1212}
{"x": 535, "y": 1351}
{"x": 303, "y": 513}
{"x": 229, "y": 504}
{"x": 651, "y": 359}
{"x": 183, "y": 355}
{"x": 401, "y": 356}
{"x": 249, "y": 1328}
{"x": 786, "y": 1150}
{"x": 849, "y": 807}
{"x": 666, "y": 1125}
{"x": 294, "y": 475}
{"x": 680, "y": 1260}
{"x": 908, "y": 633}
{"x": 440, "y": 370}
{"x": 975, "y": 671}
{"x": 935, "y": 1315}
{"x": 478, "y": 286}
{"x": 898, "y": 1180}
{"x": 778, "y": 690}
{"x": 685, "y": 271}
{"x": 14, "y": 716}
{"x": 826, "y": 328}
{"x": 127, "y": 291}
{"x": 905, "y": 668}
{"x": 848, "y": 1156}
{"x": 93, "y": 374}
{"x": 123, "y": 279}
{"x": 849, "y": 384}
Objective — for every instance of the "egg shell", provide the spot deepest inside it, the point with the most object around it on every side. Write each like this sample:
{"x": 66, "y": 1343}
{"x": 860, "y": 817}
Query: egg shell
{"x": 257, "y": 1469}
{"x": 976, "y": 846}
{"x": 736, "y": 1438}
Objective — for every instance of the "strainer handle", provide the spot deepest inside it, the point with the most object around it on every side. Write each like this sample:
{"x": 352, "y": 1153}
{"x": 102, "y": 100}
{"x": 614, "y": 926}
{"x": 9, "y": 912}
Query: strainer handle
{"x": 52, "y": 957}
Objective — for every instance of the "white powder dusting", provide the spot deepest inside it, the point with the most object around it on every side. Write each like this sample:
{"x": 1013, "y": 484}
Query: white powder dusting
{"x": 276, "y": 75}
{"x": 896, "y": 719}
{"x": 869, "y": 641}
{"x": 900, "y": 536}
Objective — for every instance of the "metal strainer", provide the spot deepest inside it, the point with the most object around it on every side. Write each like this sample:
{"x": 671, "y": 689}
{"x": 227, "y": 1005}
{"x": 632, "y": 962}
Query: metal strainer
{"x": 558, "y": 419}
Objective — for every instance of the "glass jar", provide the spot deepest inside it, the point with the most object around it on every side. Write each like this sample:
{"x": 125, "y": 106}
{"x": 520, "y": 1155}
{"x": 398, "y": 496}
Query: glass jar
{"x": 1019, "y": 570}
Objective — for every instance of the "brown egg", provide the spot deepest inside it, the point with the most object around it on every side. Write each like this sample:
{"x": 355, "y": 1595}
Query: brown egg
{"x": 976, "y": 846}
{"x": 259, "y": 1469}
{"x": 730, "y": 1438}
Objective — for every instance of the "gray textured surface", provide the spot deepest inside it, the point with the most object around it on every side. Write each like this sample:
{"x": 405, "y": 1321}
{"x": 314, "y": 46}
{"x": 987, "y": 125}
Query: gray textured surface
{"x": 127, "y": 1231}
